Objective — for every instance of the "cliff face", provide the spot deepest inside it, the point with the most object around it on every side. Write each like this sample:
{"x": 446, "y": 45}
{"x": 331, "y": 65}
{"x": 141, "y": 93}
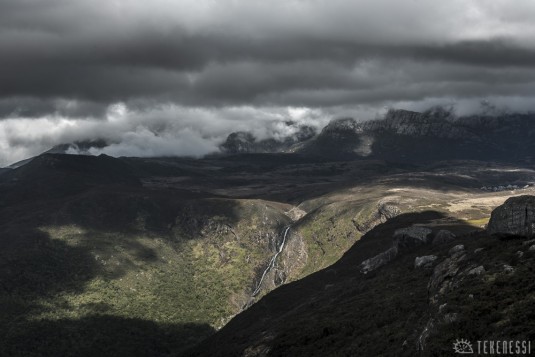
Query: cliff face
{"x": 516, "y": 217}
{"x": 439, "y": 124}
{"x": 407, "y": 136}
{"x": 430, "y": 124}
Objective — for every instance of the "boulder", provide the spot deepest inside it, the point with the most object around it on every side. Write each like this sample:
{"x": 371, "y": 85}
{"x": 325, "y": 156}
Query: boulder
{"x": 425, "y": 262}
{"x": 457, "y": 249}
{"x": 508, "y": 269}
{"x": 477, "y": 270}
{"x": 516, "y": 217}
{"x": 378, "y": 261}
{"x": 411, "y": 237}
{"x": 451, "y": 317}
{"x": 443, "y": 236}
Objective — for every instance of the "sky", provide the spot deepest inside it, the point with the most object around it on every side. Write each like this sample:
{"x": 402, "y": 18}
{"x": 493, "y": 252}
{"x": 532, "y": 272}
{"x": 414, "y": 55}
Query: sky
{"x": 175, "y": 77}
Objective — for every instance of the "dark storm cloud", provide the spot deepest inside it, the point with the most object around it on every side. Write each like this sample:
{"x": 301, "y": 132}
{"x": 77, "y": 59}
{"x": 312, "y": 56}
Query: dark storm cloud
{"x": 176, "y": 76}
{"x": 227, "y": 53}
{"x": 490, "y": 53}
{"x": 148, "y": 66}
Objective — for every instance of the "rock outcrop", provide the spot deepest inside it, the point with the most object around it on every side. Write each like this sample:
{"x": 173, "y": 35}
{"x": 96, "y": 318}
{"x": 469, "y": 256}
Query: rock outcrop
{"x": 443, "y": 236}
{"x": 516, "y": 217}
{"x": 411, "y": 237}
{"x": 425, "y": 262}
{"x": 404, "y": 239}
{"x": 366, "y": 221}
{"x": 378, "y": 261}
{"x": 444, "y": 273}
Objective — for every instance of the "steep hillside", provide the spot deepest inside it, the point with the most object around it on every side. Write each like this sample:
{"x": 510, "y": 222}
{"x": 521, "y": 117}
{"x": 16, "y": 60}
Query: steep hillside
{"x": 435, "y": 289}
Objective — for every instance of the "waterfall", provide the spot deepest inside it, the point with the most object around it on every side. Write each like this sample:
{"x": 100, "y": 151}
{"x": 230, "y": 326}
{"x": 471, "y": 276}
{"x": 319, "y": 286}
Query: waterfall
{"x": 271, "y": 262}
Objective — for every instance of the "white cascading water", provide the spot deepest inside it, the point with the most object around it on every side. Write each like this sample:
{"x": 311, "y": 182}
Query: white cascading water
{"x": 271, "y": 262}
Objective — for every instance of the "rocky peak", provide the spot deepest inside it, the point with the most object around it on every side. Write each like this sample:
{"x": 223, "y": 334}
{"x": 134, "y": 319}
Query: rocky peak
{"x": 342, "y": 125}
{"x": 516, "y": 217}
{"x": 245, "y": 142}
{"x": 78, "y": 147}
{"x": 239, "y": 142}
{"x": 440, "y": 112}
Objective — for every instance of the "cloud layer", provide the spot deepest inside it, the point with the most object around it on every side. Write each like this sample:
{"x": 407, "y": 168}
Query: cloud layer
{"x": 71, "y": 61}
{"x": 163, "y": 130}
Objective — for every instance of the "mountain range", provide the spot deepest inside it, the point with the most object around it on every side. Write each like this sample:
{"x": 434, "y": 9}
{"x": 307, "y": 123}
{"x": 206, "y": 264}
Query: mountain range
{"x": 406, "y": 136}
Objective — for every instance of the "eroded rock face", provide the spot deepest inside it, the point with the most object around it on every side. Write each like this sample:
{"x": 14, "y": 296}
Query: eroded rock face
{"x": 443, "y": 274}
{"x": 516, "y": 217}
{"x": 384, "y": 212}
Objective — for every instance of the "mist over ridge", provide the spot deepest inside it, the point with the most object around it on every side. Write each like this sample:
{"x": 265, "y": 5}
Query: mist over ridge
{"x": 172, "y": 130}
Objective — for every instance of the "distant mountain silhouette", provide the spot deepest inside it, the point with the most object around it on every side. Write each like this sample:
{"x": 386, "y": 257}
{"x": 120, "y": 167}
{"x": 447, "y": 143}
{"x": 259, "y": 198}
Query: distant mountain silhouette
{"x": 406, "y": 136}
{"x": 244, "y": 142}
{"x": 77, "y": 147}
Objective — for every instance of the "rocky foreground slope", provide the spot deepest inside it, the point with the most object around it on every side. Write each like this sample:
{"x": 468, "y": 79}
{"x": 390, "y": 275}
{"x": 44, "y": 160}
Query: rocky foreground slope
{"x": 404, "y": 289}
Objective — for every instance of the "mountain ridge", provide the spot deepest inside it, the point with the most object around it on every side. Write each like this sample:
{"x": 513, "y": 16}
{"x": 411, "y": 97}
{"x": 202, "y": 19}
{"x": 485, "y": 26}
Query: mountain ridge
{"x": 408, "y": 136}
